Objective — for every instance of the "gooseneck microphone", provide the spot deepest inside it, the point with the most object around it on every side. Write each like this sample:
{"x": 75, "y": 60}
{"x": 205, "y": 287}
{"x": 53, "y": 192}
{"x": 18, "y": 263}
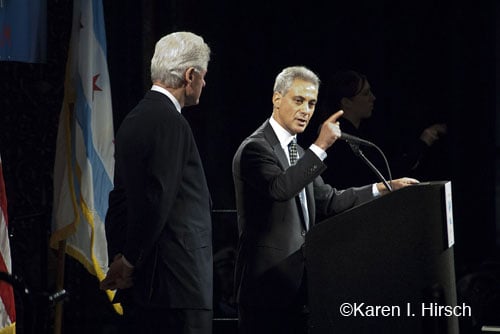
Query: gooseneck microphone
{"x": 355, "y": 140}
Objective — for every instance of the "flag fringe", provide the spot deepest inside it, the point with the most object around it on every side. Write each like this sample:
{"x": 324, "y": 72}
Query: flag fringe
{"x": 10, "y": 329}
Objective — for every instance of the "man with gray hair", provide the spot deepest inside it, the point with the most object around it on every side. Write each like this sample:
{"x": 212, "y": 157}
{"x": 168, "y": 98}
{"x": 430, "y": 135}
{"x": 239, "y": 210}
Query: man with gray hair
{"x": 158, "y": 224}
{"x": 279, "y": 194}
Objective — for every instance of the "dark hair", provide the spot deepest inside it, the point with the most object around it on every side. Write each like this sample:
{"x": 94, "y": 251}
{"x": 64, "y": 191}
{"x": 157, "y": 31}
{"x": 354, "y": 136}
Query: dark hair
{"x": 345, "y": 83}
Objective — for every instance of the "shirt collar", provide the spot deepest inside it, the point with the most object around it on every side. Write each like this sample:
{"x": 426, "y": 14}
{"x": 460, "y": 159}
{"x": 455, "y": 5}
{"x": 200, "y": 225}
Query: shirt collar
{"x": 283, "y": 135}
{"x": 169, "y": 95}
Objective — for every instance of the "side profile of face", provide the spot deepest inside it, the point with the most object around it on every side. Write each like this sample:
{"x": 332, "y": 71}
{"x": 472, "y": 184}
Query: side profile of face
{"x": 294, "y": 109}
{"x": 194, "y": 87}
{"x": 360, "y": 106}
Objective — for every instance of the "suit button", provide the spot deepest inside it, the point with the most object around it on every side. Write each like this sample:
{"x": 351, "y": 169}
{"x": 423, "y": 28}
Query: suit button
{"x": 303, "y": 233}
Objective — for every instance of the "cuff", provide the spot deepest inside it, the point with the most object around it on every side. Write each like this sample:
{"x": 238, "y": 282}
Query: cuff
{"x": 320, "y": 153}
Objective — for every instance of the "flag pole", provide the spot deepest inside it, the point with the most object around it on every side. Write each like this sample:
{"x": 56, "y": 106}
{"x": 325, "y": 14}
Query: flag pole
{"x": 61, "y": 258}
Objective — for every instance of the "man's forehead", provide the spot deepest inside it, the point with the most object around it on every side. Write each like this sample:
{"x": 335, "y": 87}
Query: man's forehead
{"x": 303, "y": 88}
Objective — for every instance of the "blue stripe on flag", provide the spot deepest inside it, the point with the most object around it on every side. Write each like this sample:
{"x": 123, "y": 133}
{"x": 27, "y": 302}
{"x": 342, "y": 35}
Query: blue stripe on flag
{"x": 99, "y": 28}
{"x": 101, "y": 181}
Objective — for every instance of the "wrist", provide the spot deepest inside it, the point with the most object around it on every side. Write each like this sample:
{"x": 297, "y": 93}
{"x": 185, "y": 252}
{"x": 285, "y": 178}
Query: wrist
{"x": 382, "y": 188}
{"x": 321, "y": 144}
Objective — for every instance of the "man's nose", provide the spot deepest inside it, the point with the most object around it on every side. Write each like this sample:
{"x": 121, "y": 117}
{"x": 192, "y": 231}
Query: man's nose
{"x": 307, "y": 108}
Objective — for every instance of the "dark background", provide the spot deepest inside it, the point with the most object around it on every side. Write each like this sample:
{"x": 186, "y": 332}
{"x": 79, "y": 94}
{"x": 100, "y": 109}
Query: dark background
{"x": 426, "y": 62}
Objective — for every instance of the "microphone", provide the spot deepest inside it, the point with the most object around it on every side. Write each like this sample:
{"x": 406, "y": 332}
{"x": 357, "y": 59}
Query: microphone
{"x": 355, "y": 140}
{"x": 355, "y": 148}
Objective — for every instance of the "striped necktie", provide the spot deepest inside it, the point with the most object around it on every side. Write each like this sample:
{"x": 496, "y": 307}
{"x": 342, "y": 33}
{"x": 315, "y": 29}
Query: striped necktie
{"x": 294, "y": 156}
{"x": 292, "y": 151}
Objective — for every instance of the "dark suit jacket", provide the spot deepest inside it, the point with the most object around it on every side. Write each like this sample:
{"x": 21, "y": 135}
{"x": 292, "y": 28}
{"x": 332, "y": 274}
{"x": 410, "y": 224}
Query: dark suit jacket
{"x": 159, "y": 210}
{"x": 270, "y": 263}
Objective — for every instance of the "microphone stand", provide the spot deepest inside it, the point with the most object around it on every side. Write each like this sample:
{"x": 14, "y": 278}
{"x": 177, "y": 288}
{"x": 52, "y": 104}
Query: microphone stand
{"x": 357, "y": 151}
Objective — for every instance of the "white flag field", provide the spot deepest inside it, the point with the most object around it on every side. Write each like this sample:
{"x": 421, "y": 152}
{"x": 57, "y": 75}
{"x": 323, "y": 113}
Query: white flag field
{"x": 84, "y": 162}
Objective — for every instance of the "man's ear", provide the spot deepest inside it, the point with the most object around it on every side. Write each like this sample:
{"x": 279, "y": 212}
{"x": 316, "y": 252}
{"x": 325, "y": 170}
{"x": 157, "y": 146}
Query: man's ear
{"x": 188, "y": 75}
{"x": 277, "y": 99}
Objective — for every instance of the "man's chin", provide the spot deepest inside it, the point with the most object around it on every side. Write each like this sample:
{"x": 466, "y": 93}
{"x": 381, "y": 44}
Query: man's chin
{"x": 191, "y": 103}
{"x": 300, "y": 129}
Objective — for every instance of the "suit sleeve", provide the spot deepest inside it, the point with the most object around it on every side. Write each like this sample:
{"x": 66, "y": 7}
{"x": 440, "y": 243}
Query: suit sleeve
{"x": 260, "y": 168}
{"x": 330, "y": 200}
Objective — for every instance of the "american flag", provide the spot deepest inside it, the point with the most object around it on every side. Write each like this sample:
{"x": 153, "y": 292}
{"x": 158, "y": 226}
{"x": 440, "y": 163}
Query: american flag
{"x": 7, "y": 304}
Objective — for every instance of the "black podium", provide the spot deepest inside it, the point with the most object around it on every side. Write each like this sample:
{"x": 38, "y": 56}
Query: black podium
{"x": 386, "y": 266}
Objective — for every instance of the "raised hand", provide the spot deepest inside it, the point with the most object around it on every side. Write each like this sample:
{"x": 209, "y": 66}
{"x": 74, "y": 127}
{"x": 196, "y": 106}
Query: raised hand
{"x": 330, "y": 131}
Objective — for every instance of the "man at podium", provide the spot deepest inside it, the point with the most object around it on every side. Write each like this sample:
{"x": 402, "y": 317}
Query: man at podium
{"x": 279, "y": 194}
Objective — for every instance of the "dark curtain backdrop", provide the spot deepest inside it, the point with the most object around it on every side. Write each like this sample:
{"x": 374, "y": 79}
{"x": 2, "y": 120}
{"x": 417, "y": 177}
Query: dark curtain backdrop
{"x": 426, "y": 62}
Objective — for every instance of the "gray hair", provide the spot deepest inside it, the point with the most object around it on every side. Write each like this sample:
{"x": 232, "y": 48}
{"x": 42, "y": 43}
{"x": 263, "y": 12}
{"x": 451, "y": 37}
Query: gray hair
{"x": 174, "y": 54}
{"x": 285, "y": 79}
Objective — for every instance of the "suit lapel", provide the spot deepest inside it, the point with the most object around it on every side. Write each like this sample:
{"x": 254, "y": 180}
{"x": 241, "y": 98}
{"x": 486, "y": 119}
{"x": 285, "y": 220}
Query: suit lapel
{"x": 275, "y": 144}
